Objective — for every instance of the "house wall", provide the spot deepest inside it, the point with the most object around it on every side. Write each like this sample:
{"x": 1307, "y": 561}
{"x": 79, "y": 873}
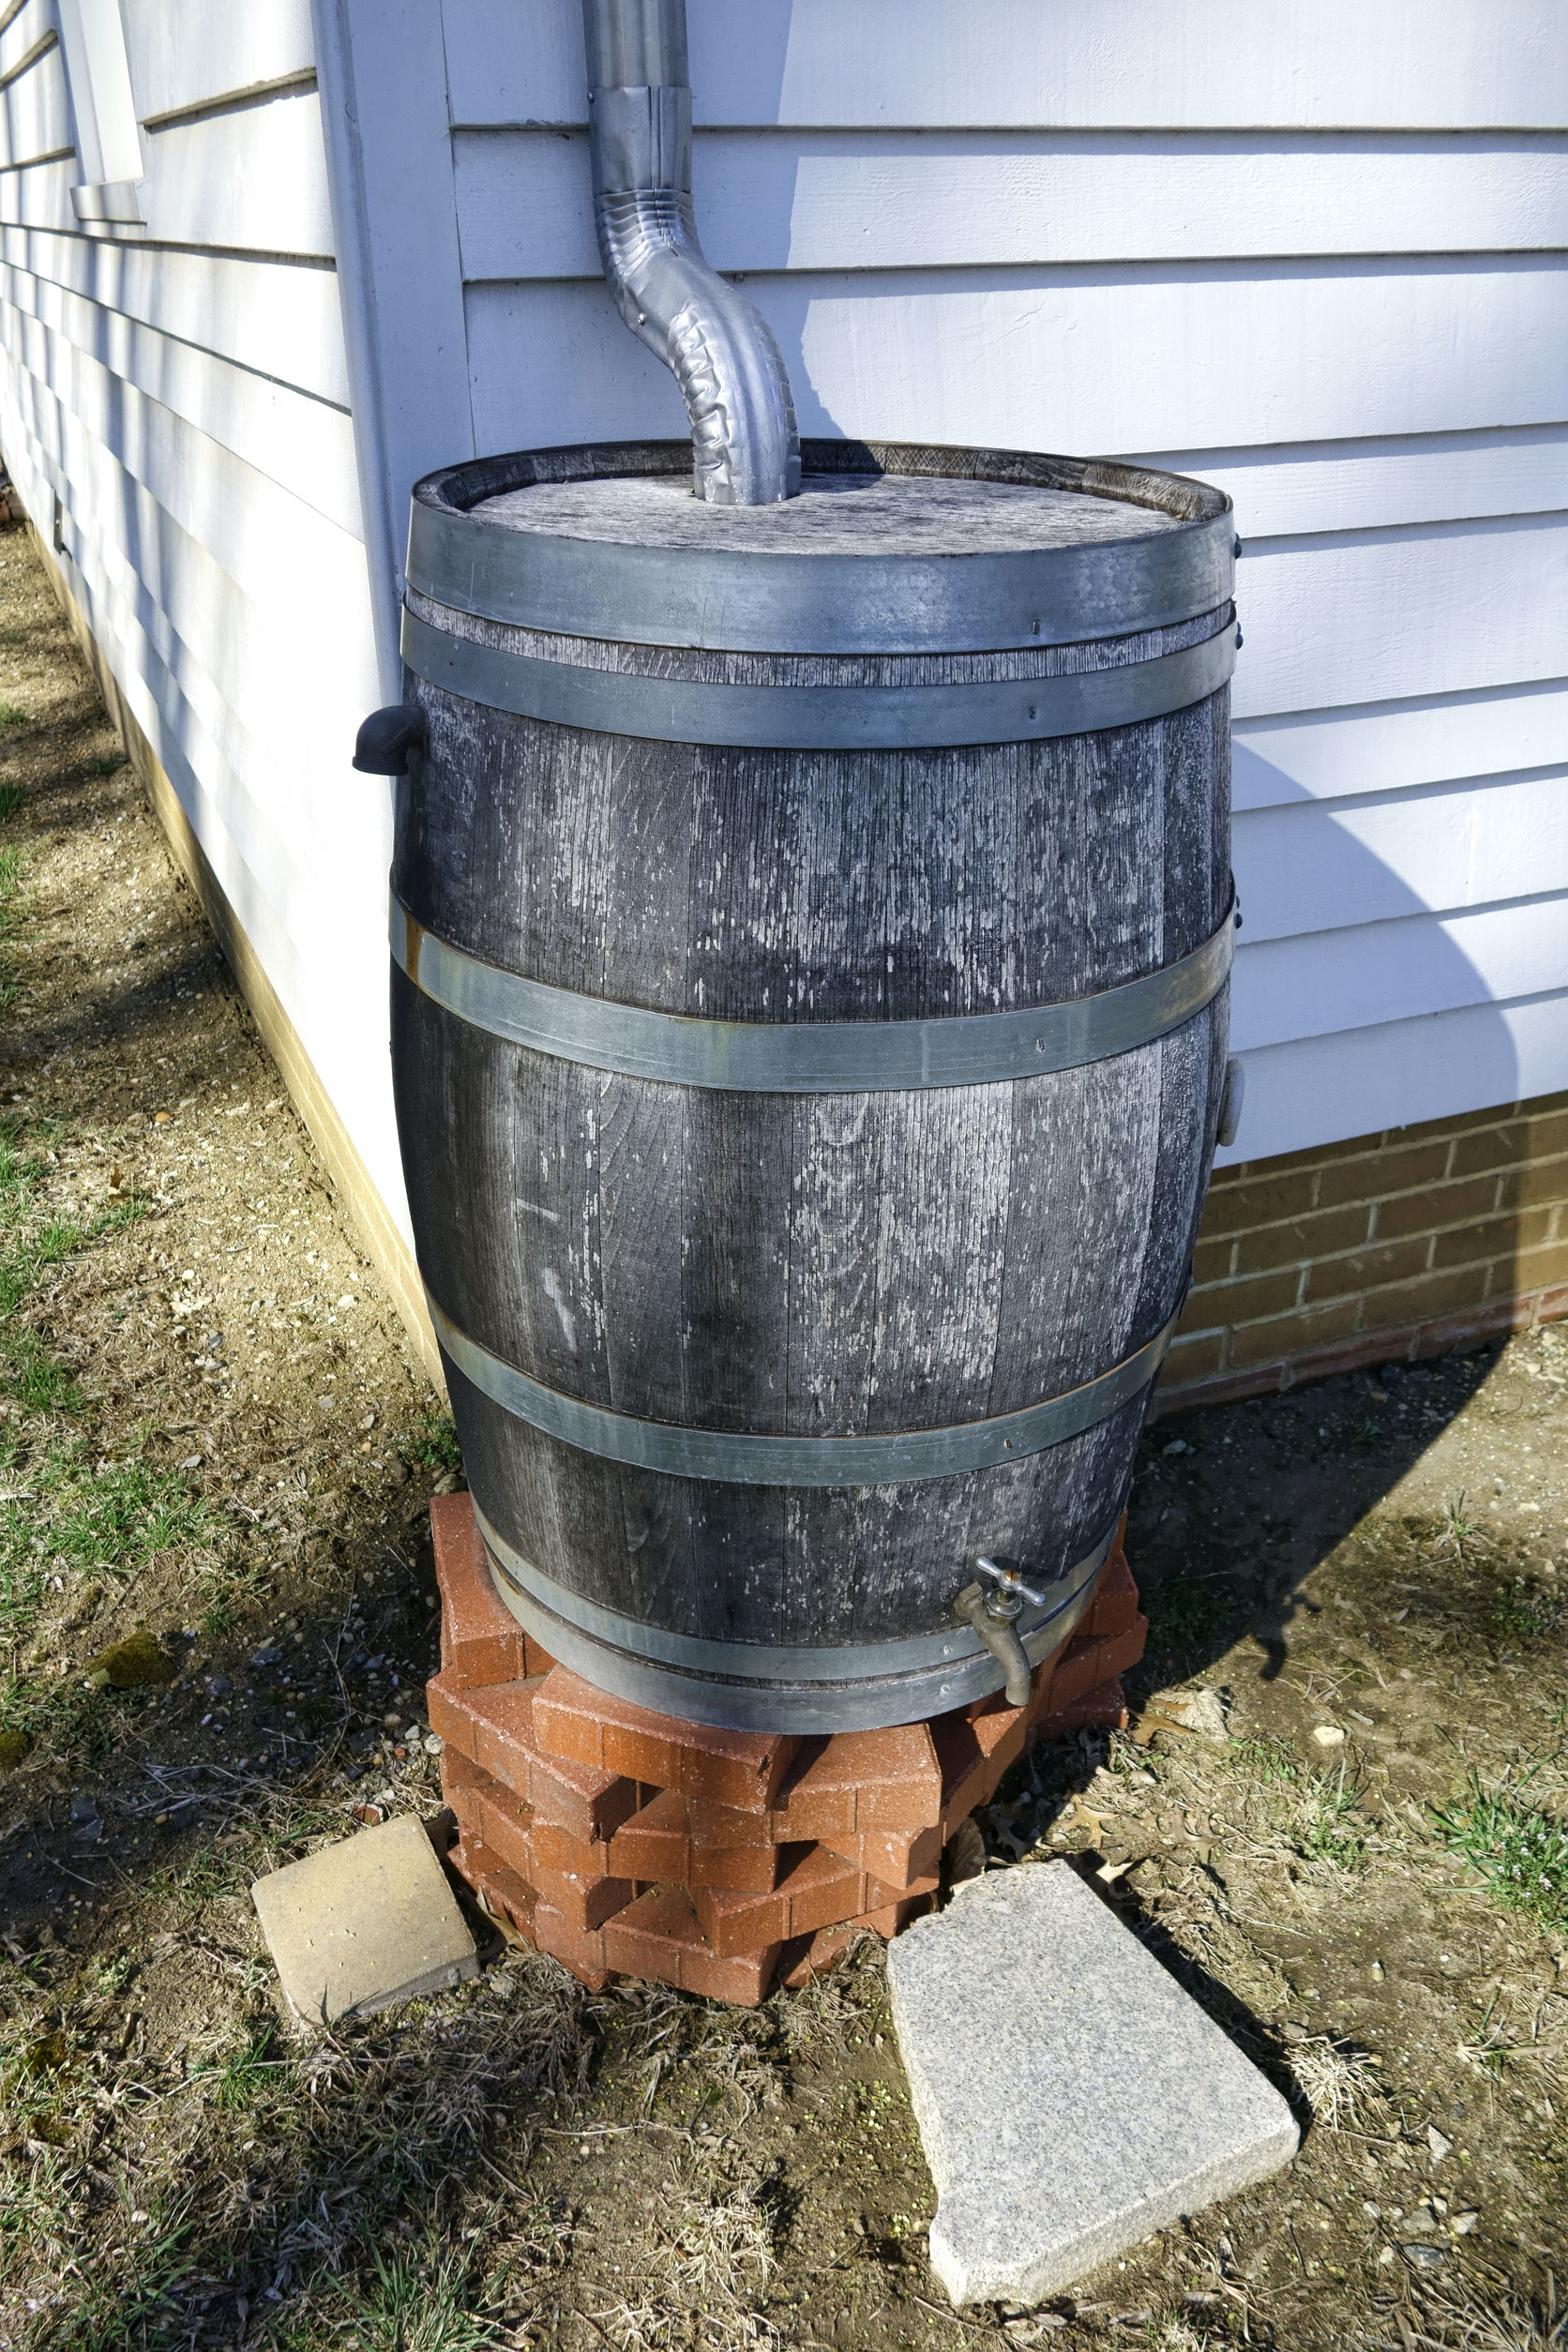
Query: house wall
{"x": 1312, "y": 252}
{"x": 174, "y": 409}
{"x": 1383, "y": 1249}
{"x": 1309, "y": 250}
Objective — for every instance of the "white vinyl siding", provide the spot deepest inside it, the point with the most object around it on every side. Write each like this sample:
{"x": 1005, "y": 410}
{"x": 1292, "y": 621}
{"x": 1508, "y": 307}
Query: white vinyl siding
{"x": 1314, "y": 251}
{"x": 182, "y": 388}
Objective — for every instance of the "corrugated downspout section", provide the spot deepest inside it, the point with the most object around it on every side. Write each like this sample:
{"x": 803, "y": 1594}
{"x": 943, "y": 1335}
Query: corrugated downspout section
{"x": 745, "y": 451}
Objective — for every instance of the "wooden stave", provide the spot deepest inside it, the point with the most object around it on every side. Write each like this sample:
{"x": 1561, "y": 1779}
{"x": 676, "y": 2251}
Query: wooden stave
{"x": 816, "y": 1566}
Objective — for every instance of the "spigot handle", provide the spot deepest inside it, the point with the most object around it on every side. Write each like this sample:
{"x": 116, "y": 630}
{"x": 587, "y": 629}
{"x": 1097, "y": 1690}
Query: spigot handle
{"x": 1008, "y": 1580}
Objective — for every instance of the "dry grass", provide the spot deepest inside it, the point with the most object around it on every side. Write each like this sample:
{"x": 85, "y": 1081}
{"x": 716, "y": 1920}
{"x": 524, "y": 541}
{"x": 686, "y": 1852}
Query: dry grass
{"x": 702, "y": 2269}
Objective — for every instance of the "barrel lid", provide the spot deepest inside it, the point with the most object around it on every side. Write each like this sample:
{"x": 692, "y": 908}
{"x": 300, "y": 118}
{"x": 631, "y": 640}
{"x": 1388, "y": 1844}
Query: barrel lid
{"x": 890, "y": 547}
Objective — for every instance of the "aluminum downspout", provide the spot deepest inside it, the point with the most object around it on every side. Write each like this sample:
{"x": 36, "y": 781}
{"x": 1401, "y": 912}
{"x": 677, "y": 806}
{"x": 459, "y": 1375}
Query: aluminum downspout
{"x": 745, "y": 448}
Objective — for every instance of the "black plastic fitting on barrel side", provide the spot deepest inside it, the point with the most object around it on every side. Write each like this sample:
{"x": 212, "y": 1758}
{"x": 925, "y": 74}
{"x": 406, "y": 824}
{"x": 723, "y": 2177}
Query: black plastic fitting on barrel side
{"x": 385, "y": 739}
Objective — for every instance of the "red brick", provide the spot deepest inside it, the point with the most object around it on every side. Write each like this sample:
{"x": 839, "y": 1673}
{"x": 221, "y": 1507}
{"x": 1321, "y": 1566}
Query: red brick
{"x": 579, "y": 1949}
{"x": 896, "y": 1857}
{"x": 659, "y": 1937}
{"x": 585, "y": 1901}
{"x": 892, "y": 1917}
{"x": 817, "y": 1889}
{"x": 657, "y": 1849}
{"x": 655, "y": 1844}
{"x": 480, "y": 1639}
{"x": 746, "y": 1869}
{"x": 1105, "y": 1705}
{"x": 493, "y": 1728}
{"x": 861, "y": 1780}
{"x": 508, "y": 1898}
{"x": 805, "y": 1958}
{"x": 1088, "y": 1662}
{"x": 583, "y": 1725}
{"x": 727, "y": 1825}
{"x": 1554, "y": 1303}
{"x": 1115, "y": 1597}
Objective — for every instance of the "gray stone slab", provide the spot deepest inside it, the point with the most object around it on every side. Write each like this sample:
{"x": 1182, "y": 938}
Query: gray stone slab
{"x": 359, "y": 1925}
{"x": 1071, "y": 2097}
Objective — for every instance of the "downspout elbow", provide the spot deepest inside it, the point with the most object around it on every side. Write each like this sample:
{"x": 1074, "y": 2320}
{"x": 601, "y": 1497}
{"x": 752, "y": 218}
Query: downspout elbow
{"x": 745, "y": 451}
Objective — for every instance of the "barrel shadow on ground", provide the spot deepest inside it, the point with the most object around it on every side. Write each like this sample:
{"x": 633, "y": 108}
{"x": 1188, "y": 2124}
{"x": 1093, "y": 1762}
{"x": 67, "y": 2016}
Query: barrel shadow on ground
{"x": 1232, "y": 1507}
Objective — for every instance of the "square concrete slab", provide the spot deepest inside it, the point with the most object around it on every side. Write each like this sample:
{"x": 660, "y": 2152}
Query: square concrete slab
{"x": 1071, "y": 2097}
{"x": 359, "y": 1925}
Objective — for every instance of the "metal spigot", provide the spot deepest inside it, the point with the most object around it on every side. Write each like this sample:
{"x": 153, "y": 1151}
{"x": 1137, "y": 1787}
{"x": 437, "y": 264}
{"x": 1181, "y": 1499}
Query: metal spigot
{"x": 993, "y": 1615}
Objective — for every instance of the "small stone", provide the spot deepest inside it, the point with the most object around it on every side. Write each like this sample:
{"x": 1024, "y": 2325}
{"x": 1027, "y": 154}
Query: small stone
{"x": 1423, "y": 2257}
{"x": 1071, "y": 2098}
{"x": 133, "y": 1664}
{"x": 1177, "y": 1445}
{"x": 1439, "y": 2146}
{"x": 363, "y": 1924}
{"x": 1463, "y": 2223}
{"x": 267, "y": 1656}
{"x": 1329, "y": 1735}
{"x": 432, "y": 1744}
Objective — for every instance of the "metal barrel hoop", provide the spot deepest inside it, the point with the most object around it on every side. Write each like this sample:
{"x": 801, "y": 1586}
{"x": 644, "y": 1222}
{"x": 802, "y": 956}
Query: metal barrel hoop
{"x": 819, "y": 718}
{"x": 748, "y": 1458}
{"x": 812, "y": 1057}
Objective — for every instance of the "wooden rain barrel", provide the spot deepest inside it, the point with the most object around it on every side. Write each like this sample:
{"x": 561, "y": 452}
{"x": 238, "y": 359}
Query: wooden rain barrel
{"x": 811, "y": 928}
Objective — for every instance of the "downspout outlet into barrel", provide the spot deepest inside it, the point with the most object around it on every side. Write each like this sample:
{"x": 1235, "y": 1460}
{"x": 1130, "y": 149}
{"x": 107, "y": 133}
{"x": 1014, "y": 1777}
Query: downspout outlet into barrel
{"x": 745, "y": 451}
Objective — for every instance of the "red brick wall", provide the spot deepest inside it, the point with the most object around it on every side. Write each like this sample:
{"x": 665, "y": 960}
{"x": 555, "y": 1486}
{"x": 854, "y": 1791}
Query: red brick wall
{"x": 1390, "y": 1247}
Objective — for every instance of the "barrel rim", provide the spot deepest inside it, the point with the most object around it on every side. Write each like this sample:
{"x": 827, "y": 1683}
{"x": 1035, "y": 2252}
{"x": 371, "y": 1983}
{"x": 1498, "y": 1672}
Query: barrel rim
{"x": 789, "y": 600}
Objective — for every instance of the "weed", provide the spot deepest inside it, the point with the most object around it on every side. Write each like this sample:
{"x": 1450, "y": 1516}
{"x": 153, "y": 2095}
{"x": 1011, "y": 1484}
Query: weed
{"x": 1337, "y": 2080}
{"x": 1324, "y": 1828}
{"x": 1520, "y": 1615}
{"x": 107, "y": 763}
{"x": 12, "y": 715}
{"x": 1272, "y": 1761}
{"x": 1521, "y": 1849}
{"x": 12, "y": 797}
{"x": 432, "y": 1443}
{"x": 1456, "y": 1533}
{"x": 417, "y": 2300}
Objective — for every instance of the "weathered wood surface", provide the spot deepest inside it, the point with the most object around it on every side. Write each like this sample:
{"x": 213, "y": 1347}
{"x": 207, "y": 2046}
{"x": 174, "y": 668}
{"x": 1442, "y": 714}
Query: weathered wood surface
{"x": 804, "y": 1265}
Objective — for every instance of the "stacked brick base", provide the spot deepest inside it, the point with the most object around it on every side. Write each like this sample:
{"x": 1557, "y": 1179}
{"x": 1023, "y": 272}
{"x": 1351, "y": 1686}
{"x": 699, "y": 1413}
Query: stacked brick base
{"x": 720, "y": 1861}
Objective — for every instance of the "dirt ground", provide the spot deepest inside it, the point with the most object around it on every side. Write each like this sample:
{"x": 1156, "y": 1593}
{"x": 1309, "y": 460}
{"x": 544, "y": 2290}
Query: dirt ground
{"x": 212, "y": 1434}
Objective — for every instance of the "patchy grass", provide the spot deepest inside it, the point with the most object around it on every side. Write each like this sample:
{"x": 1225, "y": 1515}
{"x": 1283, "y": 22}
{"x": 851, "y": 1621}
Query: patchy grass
{"x": 12, "y": 797}
{"x": 12, "y": 715}
{"x": 10, "y": 888}
{"x": 1521, "y": 1613}
{"x": 702, "y": 2272}
{"x": 432, "y": 1445}
{"x": 1521, "y": 1851}
{"x": 1325, "y": 1822}
{"x": 420, "y": 2298}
